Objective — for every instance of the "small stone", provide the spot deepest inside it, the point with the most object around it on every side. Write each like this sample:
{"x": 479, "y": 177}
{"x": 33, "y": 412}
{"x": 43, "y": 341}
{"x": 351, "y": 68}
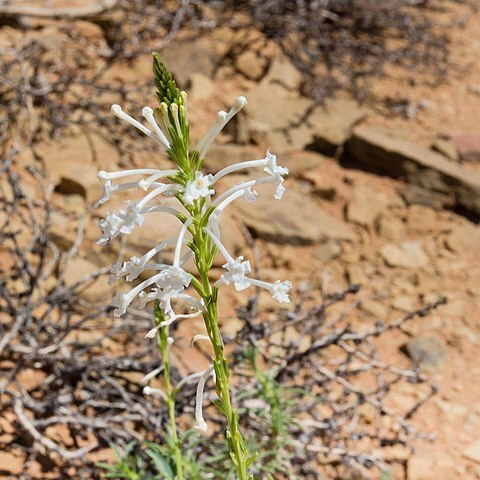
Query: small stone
{"x": 464, "y": 239}
{"x": 427, "y": 353}
{"x": 409, "y": 255}
{"x": 327, "y": 251}
{"x": 403, "y": 303}
{"x": 391, "y": 228}
{"x": 421, "y": 219}
{"x": 251, "y": 65}
{"x": 447, "y": 148}
{"x": 356, "y": 275}
{"x": 374, "y": 308}
{"x": 472, "y": 452}
{"x": 365, "y": 206}
{"x": 414, "y": 195}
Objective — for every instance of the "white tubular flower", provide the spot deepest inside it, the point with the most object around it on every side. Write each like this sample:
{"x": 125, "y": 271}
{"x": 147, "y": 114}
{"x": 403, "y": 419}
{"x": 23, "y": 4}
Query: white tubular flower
{"x": 117, "y": 271}
{"x": 126, "y": 220}
{"x": 197, "y": 337}
{"x": 110, "y": 226}
{"x": 158, "y": 136}
{"x": 278, "y": 289}
{"x": 200, "y": 187}
{"x": 104, "y": 176}
{"x": 222, "y": 119}
{"x": 156, "y": 392}
{"x": 271, "y": 166}
{"x": 122, "y": 300}
{"x": 175, "y": 278}
{"x": 147, "y": 113}
{"x": 201, "y": 424}
{"x": 151, "y": 375}
{"x": 250, "y": 195}
{"x": 236, "y": 274}
{"x": 237, "y": 269}
{"x": 277, "y": 172}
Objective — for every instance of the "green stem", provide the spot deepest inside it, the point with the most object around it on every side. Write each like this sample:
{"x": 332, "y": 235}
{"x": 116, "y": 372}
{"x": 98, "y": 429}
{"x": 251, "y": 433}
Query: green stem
{"x": 164, "y": 347}
{"x": 235, "y": 442}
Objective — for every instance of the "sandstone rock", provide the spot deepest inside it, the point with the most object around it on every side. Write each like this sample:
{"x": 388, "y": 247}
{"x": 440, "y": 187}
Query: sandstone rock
{"x": 251, "y": 64}
{"x": 464, "y": 239}
{"x": 374, "y": 308}
{"x": 220, "y": 155}
{"x": 282, "y": 111}
{"x": 295, "y": 123}
{"x": 185, "y": 58}
{"x": 391, "y": 228}
{"x": 356, "y": 275}
{"x": 409, "y": 255}
{"x": 295, "y": 219}
{"x": 201, "y": 87}
{"x": 68, "y": 167}
{"x": 403, "y": 303}
{"x": 427, "y": 352}
{"x": 472, "y": 452}
{"x": 447, "y": 148}
{"x": 332, "y": 124}
{"x": 97, "y": 290}
{"x": 421, "y": 219}
{"x": 282, "y": 71}
{"x": 428, "y": 465}
{"x": 467, "y": 145}
{"x": 416, "y": 165}
{"x": 365, "y": 205}
{"x": 414, "y": 195}
{"x": 327, "y": 251}
{"x": 11, "y": 463}
{"x": 63, "y": 231}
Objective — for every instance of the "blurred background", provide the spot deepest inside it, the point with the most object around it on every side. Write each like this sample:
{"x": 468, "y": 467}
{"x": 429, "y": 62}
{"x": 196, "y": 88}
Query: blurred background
{"x": 374, "y": 108}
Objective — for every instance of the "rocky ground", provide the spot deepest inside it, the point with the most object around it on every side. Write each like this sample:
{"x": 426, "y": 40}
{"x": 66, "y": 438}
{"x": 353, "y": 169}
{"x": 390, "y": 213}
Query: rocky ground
{"x": 390, "y": 202}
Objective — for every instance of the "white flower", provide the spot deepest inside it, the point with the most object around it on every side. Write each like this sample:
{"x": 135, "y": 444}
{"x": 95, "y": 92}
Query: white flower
{"x": 117, "y": 271}
{"x": 110, "y": 226}
{"x": 200, "y": 187}
{"x": 271, "y": 166}
{"x": 201, "y": 425}
{"x": 175, "y": 278}
{"x": 250, "y": 195}
{"x": 107, "y": 188}
{"x": 280, "y": 291}
{"x": 131, "y": 217}
{"x": 236, "y": 273}
{"x": 121, "y": 301}
{"x": 277, "y": 172}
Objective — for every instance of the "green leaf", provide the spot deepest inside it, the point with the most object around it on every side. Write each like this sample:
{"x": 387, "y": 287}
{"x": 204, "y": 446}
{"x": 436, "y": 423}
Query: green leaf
{"x": 162, "y": 463}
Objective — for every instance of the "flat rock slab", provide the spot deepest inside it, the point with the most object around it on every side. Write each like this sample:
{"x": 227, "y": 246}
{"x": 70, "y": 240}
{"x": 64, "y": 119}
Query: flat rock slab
{"x": 409, "y": 255}
{"x": 294, "y": 122}
{"x": 416, "y": 165}
{"x": 294, "y": 220}
{"x": 427, "y": 352}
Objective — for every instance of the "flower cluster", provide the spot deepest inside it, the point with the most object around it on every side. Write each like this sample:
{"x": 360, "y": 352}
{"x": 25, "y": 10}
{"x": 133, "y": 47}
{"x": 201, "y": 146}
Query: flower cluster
{"x": 198, "y": 212}
{"x": 171, "y": 280}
